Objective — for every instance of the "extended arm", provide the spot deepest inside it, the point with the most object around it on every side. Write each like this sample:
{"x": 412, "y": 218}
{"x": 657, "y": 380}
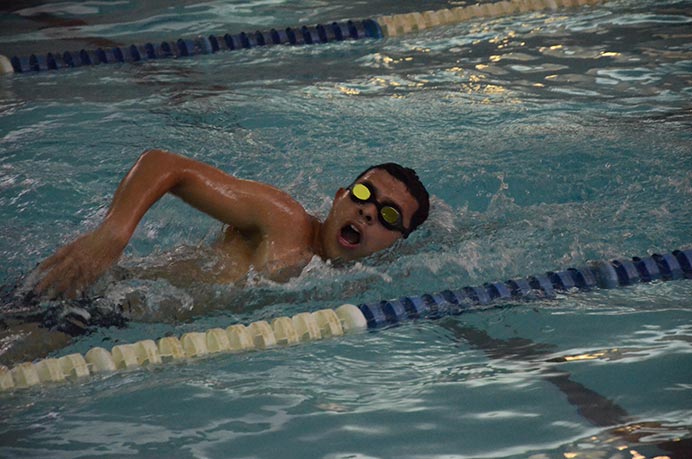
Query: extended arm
{"x": 246, "y": 205}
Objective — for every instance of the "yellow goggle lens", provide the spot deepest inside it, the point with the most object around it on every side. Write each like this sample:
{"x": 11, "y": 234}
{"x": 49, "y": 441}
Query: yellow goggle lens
{"x": 361, "y": 192}
{"x": 390, "y": 215}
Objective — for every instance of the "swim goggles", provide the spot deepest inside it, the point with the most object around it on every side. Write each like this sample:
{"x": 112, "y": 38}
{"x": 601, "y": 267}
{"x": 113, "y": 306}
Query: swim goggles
{"x": 388, "y": 213}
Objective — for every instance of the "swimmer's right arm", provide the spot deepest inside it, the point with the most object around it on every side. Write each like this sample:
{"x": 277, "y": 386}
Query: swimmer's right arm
{"x": 247, "y": 205}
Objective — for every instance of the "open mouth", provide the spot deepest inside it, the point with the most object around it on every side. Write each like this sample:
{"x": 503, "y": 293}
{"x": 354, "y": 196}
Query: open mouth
{"x": 350, "y": 236}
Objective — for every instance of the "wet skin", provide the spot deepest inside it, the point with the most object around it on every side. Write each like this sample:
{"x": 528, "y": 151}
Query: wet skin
{"x": 267, "y": 229}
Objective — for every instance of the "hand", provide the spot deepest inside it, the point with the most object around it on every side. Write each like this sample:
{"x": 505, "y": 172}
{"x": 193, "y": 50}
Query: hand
{"x": 78, "y": 264}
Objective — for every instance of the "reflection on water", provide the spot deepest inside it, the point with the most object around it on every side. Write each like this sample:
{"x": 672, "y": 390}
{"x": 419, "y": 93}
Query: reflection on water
{"x": 546, "y": 140}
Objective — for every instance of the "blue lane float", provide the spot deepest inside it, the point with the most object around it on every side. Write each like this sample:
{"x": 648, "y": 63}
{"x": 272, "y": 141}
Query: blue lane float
{"x": 305, "y": 35}
{"x": 599, "y": 274}
{"x": 347, "y": 318}
{"x": 373, "y": 28}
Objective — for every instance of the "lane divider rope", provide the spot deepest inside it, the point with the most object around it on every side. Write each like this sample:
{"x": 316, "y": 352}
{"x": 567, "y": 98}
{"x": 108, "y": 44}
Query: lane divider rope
{"x": 347, "y": 318}
{"x": 379, "y": 27}
{"x": 282, "y": 331}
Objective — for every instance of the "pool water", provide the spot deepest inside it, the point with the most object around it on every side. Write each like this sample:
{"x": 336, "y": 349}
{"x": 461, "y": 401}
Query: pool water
{"x": 546, "y": 140}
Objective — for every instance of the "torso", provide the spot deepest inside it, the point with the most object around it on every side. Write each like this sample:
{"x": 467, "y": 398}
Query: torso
{"x": 230, "y": 259}
{"x": 278, "y": 257}
{"x": 236, "y": 254}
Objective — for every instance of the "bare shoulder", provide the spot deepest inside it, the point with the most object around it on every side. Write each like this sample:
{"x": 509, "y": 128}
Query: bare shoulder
{"x": 291, "y": 225}
{"x": 289, "y": 245}
{"x": 282, "y": 214}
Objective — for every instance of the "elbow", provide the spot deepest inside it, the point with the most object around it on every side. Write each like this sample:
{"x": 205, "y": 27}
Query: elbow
{"x": 153, "y": 156}
{"x": 161, "y": 162}
{"x": 158, "y": 168}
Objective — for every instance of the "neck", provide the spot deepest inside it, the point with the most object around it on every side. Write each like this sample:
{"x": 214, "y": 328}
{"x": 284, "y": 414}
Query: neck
{"x": 317, "y": 242}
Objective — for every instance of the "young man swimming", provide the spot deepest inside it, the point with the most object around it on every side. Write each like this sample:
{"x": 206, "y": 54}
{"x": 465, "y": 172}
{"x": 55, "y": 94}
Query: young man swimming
{"x": 268, "y": 231}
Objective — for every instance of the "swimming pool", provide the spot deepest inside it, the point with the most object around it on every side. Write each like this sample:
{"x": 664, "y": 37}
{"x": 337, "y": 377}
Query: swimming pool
{"x": 546, "y": 140}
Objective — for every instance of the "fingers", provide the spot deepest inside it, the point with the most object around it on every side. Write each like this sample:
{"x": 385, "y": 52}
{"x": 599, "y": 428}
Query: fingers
{"x": 57, "y": 285}
{"x": 44, "y": 283}
{"x": 81, "y": 277}
{"x": 63, "y": 277}
{"x": 47, "y": 285}
{"x": 64, "y": 286}
{"x": 53, "y": 272}
{"x": 74, "y": 267}
{"x": 53, "y": 260}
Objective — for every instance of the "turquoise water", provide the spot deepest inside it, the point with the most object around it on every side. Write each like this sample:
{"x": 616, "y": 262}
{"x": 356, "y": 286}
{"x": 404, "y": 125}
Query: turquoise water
{"x": 546, "y": 141}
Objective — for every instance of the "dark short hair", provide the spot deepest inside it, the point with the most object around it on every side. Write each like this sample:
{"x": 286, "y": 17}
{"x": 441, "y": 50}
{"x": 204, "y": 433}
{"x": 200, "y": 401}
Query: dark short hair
{"x": 415, "y": 187}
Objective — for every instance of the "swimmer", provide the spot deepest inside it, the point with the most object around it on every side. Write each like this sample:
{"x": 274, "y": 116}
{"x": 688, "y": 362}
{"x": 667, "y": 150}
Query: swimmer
{"x": 267, "y": 230}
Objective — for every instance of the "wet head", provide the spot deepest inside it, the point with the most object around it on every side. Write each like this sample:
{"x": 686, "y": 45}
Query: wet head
{"x": 370, "y": 215}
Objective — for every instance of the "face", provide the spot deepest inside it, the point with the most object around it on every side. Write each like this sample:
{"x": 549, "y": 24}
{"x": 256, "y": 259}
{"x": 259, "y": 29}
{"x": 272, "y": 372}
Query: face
{"x": 353, "y": 229}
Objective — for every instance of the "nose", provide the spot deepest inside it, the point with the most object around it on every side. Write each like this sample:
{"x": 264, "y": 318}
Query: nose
{"x": 367, "y": 211}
